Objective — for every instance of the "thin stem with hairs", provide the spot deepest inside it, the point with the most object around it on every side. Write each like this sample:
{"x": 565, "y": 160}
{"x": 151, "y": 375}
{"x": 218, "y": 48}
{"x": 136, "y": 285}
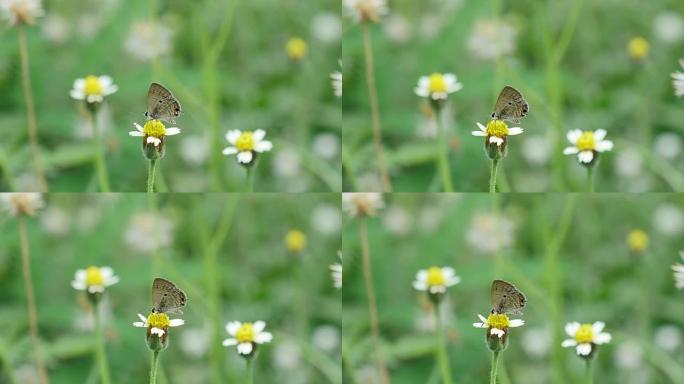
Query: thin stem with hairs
{"x": 492, "y": 177}
{"x": 154, "y": 367}
{"x": 441, "y": 350}
{"x": 100, "y": 166}
{"x": 150, "y": 175}
{"x": 100, "y": 353}
{"x": 495, "y": 367}
{"x": 443, "y": 157}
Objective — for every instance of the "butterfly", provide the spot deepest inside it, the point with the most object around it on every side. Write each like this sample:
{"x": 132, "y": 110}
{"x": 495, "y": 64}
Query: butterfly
{"x": 161, "y": 104}
{"x": 506, "y": 298}
{"x": 167, "y": 297}
{"x": 510, "y": 105}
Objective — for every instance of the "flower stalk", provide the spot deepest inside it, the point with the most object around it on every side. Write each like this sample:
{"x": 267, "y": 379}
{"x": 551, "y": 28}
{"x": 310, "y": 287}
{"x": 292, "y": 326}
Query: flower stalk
{"x": 492, "y": 177}
{"x": 154, "y": 367}
{"x": 249, "y": 377}
{"x": 101, "y": 355}
{"x": 590, "y": 178}
{"x": 588, "y": 372}
{"x": 151, "y": 170}
{"x": 100, "y": 166}
{"x": 443, "y": 159}
{"x": 442, "y": 355}
{"x": 495, "y": 367}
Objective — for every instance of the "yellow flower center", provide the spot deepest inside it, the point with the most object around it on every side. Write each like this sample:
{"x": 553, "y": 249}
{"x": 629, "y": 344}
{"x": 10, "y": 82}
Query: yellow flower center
{"x": 94, "y": 276}
{"x": 295, "y": 240}
{"x": 245, "y": 334}
{"x": 296, "y": 48}
{"x": 158, "y": 320}
{"x": 637, "y": 240}
{"x": 245, "y": 142}
{"x": 435, "y": 277}
{"x": 584, "y": 334}
{"x": 498, "y": 321}
{"x": 586, "y": 141}
{"x": 497, "y": 128}
{"x": 154, "y": 128}
{"x": 437, "y": 83}
{"x": 638, "y": 48}
{"x": 92, "y": 86}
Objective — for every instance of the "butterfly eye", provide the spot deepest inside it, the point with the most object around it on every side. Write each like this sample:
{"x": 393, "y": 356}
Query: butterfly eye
{"x": 492, "y": 115}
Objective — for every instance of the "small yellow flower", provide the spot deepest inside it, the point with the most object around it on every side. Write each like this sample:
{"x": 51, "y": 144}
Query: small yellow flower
{"x": 295, "y": 241}
{"x": 296, "y": 48}
{"x": 154, "y": 132}
{"x": 496, "y": 131}
{"x": 498, "y": 323}
{"x": 637, "y": 240}
{"x": 94, "y": 279}
{"x": 246, "y": 336}
{"x": 638, "y": 48}
{"x": 93, "y": 89}
{"x": 585, "y": 337}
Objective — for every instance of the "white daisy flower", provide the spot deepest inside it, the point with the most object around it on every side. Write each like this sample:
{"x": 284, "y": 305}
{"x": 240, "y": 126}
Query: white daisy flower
{"x": 94, "y": 279}
{"x": 587, "y": 144}
{"x": 246, "y": 145}
{"x": 336, "y": 80}
{"x": 21, "y": 11}
{"x": 147, "y": 232}
{"x": 362, "y": 203}
{"x": 678, "y": 80}
{"x": 436, "y": 280}
{"x": 679, "y": 273}
{"x": 437, "y": 86}
{"x": 498, "y": 323}
{"x": 25, "y": 203}
{"x": 148, "y": 40}
{"x": 246, "y": 336}
{"x": 491, "y": 39}
{"x": 157, "y": 323}
{"x": 93, "y": 89}
{"x": 585, "y": 337}
{"x": 153, "y": 132}
{"x": 365, "y": 10}
{"x": 496, "y": 132}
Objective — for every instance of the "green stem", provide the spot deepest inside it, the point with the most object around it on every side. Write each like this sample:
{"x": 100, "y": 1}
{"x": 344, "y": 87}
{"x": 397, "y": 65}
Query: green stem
{"x": 442, "y": 356}
{"x": 154, "y": 367}
{"x": 495, "y": 366}
{"x": 590, "y": 178}
{"x": 249, "y": 180}
{"x": 588, "y": 372}
{"x": 100, "y": 354}
{"x": 443, "y": 158}
{"x": 100, "y": 166}
{"x": 150, "y": 175}
{"x": 250, "y": 371}
{"x": 492, "y": 177}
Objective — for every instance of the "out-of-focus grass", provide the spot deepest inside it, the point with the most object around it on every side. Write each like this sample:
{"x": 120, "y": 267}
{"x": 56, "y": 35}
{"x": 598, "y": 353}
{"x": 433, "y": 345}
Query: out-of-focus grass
{"x": 595, "y": 85}
{"x": 226, "y": 252}
{"x": 229, "y": 71}
{"x": 568, "y": 253}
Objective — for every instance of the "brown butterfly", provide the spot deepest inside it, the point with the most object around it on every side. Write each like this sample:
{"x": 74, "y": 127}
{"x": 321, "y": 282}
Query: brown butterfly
{"x": 166, "y": 297}
{"x": 161, "y": 104}
{"x": 506, "y": 298}
{"x": 510, "y": 105}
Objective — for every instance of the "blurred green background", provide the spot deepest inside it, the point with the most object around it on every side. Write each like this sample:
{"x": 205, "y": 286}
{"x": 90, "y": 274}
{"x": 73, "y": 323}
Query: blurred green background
{"x": 568, "y": 253}
{"x": 224, "y": 60}
{"x": 227, "y": 252}
{"x": 596, "y": 84}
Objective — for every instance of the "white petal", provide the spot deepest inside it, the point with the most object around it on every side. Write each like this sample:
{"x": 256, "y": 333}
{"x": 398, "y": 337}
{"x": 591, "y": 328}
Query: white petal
{"x": 233, "y": 135}
{"x": 437, "y": 289}
{"x": 172, "y": 131}
{"x": 479, "y": 133}
{"x": 229, "y": 342}
{"x": 263, "y": 146}
{"x": 112, "y": 280}
{"x": 230, "y": 151}
{"x": 143, "y": 318}
{"x": 597, "y": 327}
{"x": 244, "y": 157}
{"x": 153, "y": 140}
{"x": 482, "y": 127}
{"x": 105, "y": 81}
{"x": 157, "y": 331}
{"x": 480, "y": 325}
{"x": 570, "y": 150}
{"x": 567, "y": 343}
{"x": 602, "y": 338}
{"x": 574, "y": 135}
{"x": 497, "y": 140}
{"x": 514, "y": 131}
{"x": 497, "y": 332}
{"x": 263, "y": 337}
{"x": 79, "y": 84}
{"x": 77, "y": 94}
{"x": 244, "y": 348}
{"x": 258, "y": 326}
{"x": 605, "y": 145}
{"x": 79, "y": 285}
{"x": 585, "y": 156}
{"x": 232, "y": 327}
{"x": 422, "y": 275}
{"x": 572, "y": 328}
{"x": 599, "y": 134}
{"x": 482, "y": 318}
{"x": 448, "y": 272}
{"x": 517, "y": 323}
{"x": 139, "y": 324}
{"x": 422, "y": 92}
{"x": 420, "y": 285}
{"x": 583, "y": 349}
{"x": 136, "y": 133}
{"x": 109, "y": 90}
{"x": 258, "y": 135}
{"x": 453, "y": 281}
{"x": 176, "y": 322}
{"x": 138, "y": 127}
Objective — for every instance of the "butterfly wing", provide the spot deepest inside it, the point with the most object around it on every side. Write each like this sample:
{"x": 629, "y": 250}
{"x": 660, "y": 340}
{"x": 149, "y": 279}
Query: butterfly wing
{"x": 510, "y": 105}
{"x": 506, "y": 298}
{"x": 161, "y": 104}
{"x": 167, "y": 297}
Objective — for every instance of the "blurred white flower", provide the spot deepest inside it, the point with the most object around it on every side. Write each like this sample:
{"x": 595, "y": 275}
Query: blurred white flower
{"x": 629, "y": 163}
{"x": 430, "y": 218}
{"x": 668, "y": 27}
{"x": 397, "y": 28}
{"x": 326, "y": 219}
{"x": 326, "y": 145}
{"x": 487, "y": 234}
{"x": 55, "y": 28}
{"x": 246, "y": 336}
{"x": 668, "y": 145}
{"x": 55, "y": 221}
{"x": 437, "y": 86}
{"x": 286, "y": 355}
{"x": 87, "y": 217}
{"x": 195, "y": 342}
{"x": 678, "y": 80}
{"x": 668, "y": 219}
{"x": 336, "y": 274}
{"x": 93, "y": 89}
{"x": 21, "y": 11}
{"x": 536, "y": 342}
{"x": 21, "y": 203}
{"x": 246, "y": 145}
{"x": 26, "y": 374}
{"x": 365, "y": 10}
{"x": 678, "y": 270}
{"x": 326, "y": 338}
{"x": 436, "y": 280}
{"x": 668, "y": 337}
{"x": 587, "y": 144}
{"x": 87, "y": 25}
{"x": 194, "y": 150}
{"x": 536, "y": 150}
{"x": 285, "y": 163}
{"x": 148, "y": 40}
{"x": 369, "y": 182}
{"x": 146, "y": 232}
{"x": 397, "y": 221}
{"x": 336, "y": 81}
{"x": 628, "y": 354}
{"x": 326, "y": 27}
{"x": 359, "y": 204}
{"x": 94, "y": 279}
{"x": 585, "y": 337}
{"x": 491, "y": 39}
{"x": 430, "y": 26}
